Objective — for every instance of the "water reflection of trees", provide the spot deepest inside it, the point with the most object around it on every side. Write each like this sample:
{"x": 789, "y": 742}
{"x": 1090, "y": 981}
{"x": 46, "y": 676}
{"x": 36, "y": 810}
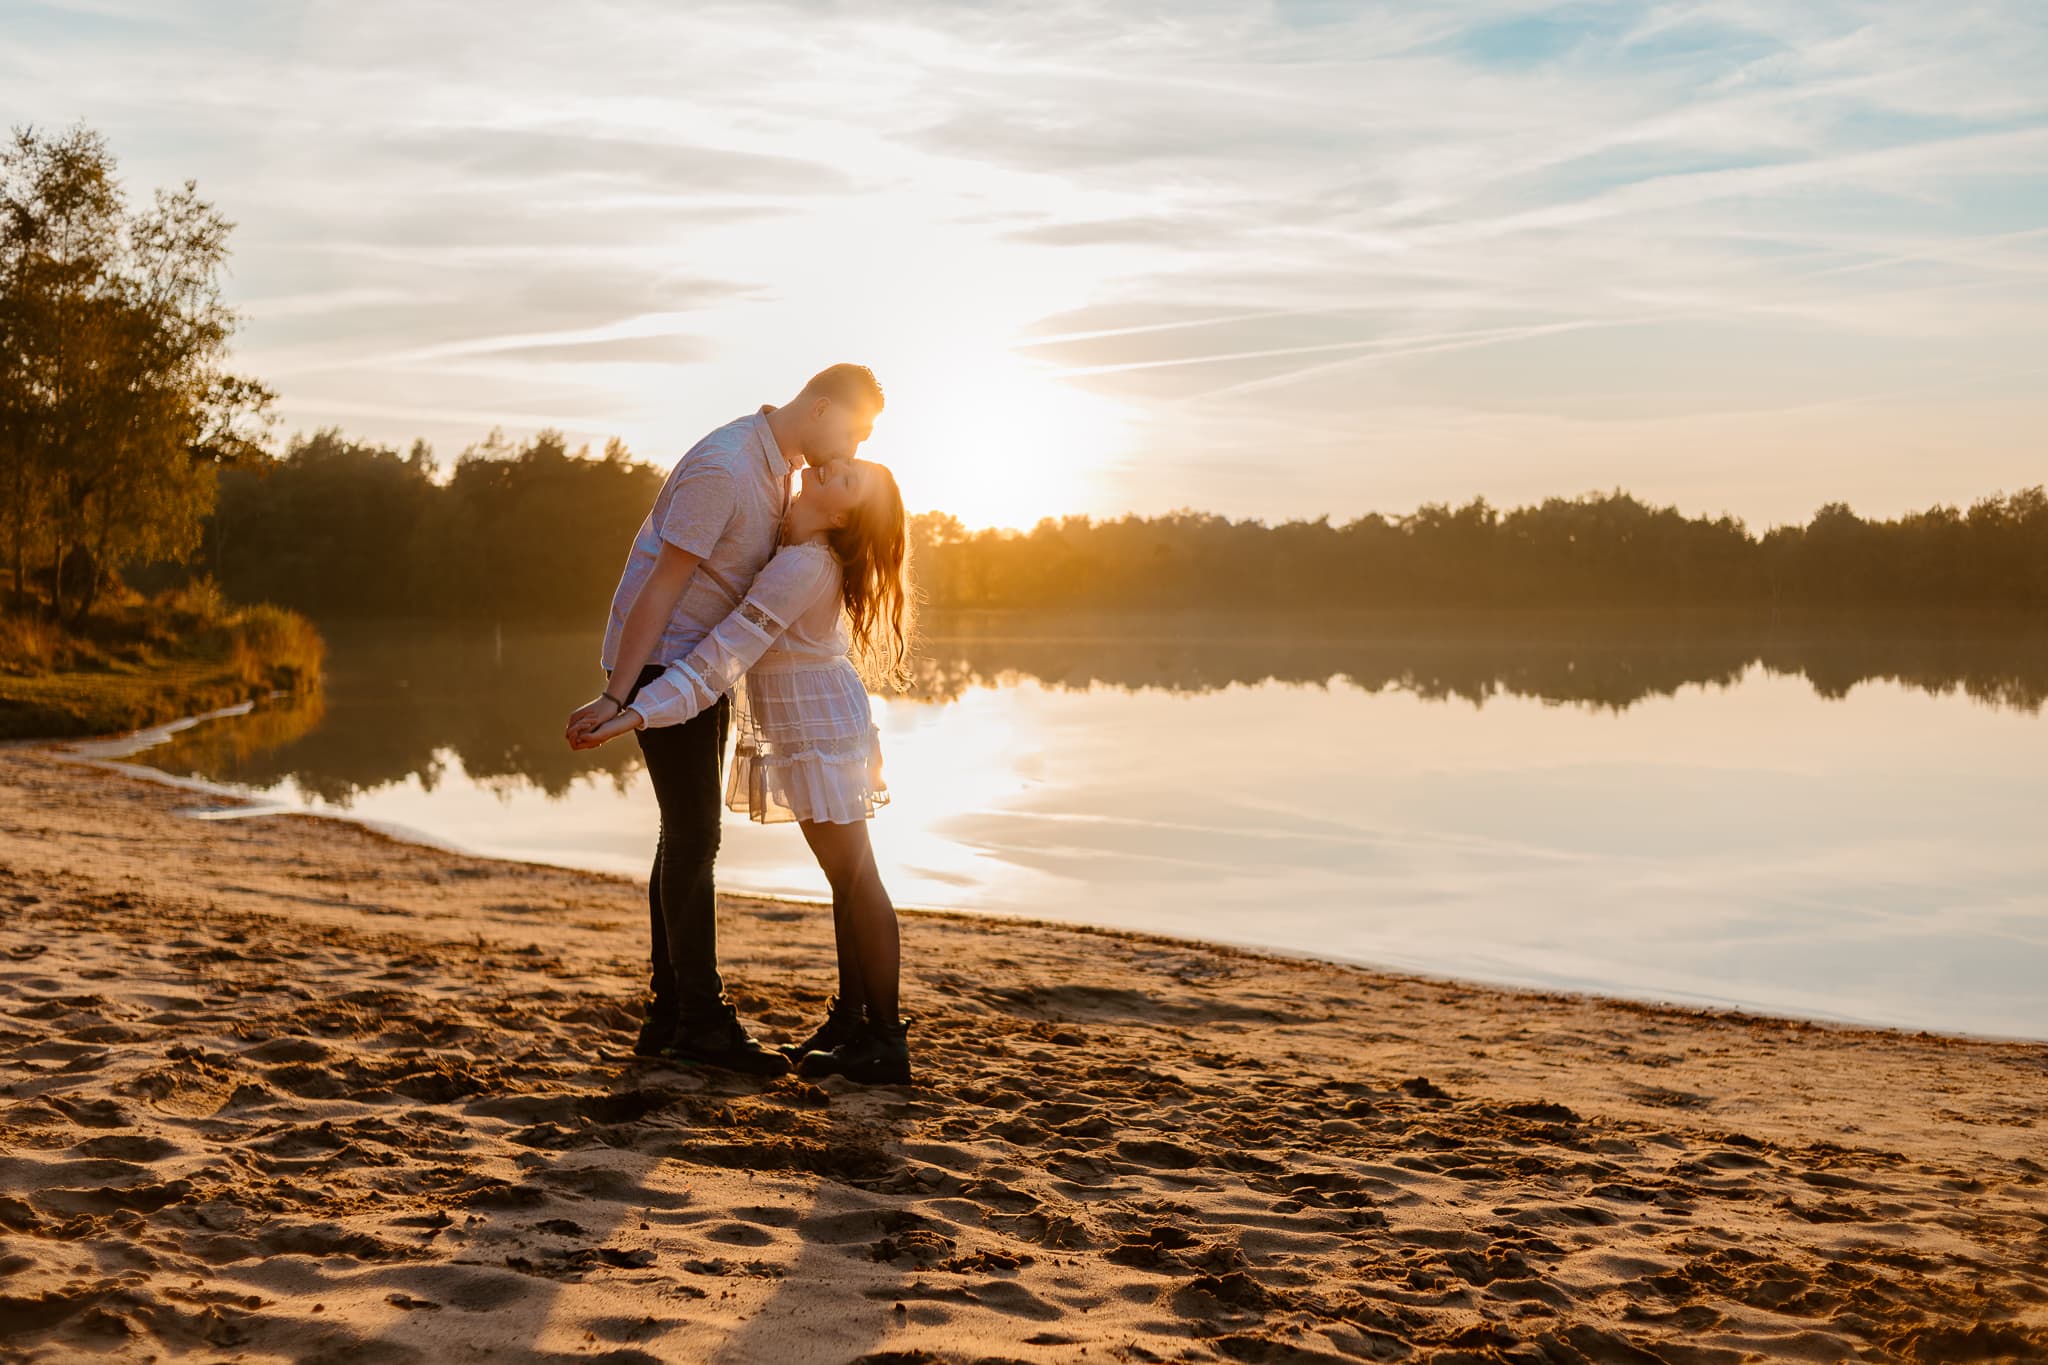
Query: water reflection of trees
{"x": 403, "y": 702}
{"x": 228, "y": 746}
{"x": 1606, "y": 660}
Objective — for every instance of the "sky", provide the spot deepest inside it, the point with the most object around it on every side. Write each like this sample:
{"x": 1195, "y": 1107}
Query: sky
{"x": 1276, "y": 260}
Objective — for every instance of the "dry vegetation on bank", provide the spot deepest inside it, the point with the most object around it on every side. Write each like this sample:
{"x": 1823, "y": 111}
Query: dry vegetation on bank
{"x": 141, "y": 661}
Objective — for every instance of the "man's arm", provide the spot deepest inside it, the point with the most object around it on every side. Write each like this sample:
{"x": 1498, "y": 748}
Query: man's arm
{"x": 645, "y": 620}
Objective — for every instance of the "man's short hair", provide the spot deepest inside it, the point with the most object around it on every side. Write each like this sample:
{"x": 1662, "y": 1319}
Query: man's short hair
{"x": 853, "y": 385}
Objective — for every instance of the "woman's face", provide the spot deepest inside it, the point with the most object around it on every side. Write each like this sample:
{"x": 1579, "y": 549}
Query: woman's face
{"x": 831, "y": 491}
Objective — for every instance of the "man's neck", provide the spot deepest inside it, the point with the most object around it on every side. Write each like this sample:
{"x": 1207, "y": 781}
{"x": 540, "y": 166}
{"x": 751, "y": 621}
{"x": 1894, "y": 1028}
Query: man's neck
{"x": 781, "y": 425}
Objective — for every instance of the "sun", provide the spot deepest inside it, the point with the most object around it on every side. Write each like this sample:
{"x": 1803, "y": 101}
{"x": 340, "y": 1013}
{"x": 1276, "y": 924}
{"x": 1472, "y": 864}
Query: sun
{"x": 978, "y": 423}
{"x": 993, "y": 439}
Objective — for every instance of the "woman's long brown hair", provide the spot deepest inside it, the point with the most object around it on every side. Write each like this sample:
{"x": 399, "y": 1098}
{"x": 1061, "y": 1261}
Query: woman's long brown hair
{"x": 873, "y": 549}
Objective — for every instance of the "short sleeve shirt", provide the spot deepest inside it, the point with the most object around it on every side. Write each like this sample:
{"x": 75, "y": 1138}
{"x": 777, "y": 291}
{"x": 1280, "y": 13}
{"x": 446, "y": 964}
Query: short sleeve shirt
{"x": 723, "y": 502}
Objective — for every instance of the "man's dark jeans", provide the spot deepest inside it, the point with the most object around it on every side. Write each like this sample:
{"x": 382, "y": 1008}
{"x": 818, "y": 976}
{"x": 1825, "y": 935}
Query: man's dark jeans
{"x": 685, "y": 764}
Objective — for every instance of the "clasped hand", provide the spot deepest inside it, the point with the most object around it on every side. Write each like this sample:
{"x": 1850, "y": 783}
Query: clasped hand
{"x": 598, "y": 720}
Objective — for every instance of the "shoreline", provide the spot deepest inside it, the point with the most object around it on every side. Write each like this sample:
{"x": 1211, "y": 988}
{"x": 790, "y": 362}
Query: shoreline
{"x": 367, "y": 1093}
{"x": 137, "y": 664}
{"x": 110, "y": 751}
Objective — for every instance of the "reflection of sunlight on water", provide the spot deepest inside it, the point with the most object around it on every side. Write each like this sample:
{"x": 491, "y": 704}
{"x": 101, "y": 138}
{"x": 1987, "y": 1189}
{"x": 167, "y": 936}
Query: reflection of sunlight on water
{"x": 941, "y": 765}
{"x": 1873, "y": 858}
{"x": 946, "y": 767}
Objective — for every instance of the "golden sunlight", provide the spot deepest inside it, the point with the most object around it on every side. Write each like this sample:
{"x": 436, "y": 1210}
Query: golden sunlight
{"x": 994, "y": 440}
{"x": 976, "y": 426}
{"x": 1430, "y": 534}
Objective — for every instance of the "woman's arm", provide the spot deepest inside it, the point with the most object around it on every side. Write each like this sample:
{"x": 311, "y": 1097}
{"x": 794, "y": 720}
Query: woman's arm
{"x": 793, "y": 581}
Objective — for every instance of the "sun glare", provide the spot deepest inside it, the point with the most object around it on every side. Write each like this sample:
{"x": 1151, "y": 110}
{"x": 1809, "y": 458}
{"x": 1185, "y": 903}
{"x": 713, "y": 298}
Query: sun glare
{"x": 993, "y": 441}
{"x": 975, "y": 426}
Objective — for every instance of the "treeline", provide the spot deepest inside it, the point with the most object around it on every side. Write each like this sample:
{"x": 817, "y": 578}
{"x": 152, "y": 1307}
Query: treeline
{"x": 1602, "y": 550}
{"x": 538, "y": 532}
{"x": 529, "y": 532}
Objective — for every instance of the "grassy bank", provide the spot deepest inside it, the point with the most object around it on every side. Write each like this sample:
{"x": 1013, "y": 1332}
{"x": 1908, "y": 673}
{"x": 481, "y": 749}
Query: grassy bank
{"x": 146, "y": 660}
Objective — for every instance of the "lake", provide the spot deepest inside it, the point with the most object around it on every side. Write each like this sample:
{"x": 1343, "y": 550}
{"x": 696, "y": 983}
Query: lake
{"x": 1828, "y": 817}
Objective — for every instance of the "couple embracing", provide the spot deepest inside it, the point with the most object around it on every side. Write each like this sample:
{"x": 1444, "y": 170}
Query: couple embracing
{"x": 794, "y": 602}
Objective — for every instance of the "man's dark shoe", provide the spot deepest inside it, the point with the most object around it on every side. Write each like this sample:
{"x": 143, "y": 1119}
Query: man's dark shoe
{"x": 717, "y": 1038}
{"x": 879, "y": 1056}
{"x": 842, "y": 1025}
{"x": 657, "y": 1027}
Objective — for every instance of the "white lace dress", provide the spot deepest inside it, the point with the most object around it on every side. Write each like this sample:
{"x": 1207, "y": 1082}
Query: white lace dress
{"x": 808, "y": 748}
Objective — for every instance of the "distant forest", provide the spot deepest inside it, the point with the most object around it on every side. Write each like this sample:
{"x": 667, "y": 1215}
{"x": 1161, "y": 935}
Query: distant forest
{"x": 536, "y": 532}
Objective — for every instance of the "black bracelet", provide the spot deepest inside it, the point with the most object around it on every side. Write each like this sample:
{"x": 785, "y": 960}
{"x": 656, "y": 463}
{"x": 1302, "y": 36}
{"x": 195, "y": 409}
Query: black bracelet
{"x": 614, "y": 701}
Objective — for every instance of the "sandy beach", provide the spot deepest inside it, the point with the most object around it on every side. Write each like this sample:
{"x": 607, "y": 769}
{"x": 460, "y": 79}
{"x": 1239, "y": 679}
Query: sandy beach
{"x": 284, "y": 1089}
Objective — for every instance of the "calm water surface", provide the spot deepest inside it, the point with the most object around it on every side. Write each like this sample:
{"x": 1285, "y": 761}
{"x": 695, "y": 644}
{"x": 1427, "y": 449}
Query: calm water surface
{"x": 1824, "y": 818}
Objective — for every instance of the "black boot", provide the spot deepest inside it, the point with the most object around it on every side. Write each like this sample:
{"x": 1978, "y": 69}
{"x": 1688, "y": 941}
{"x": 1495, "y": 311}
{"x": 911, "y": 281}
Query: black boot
{"x": 657, "y": 1027}
{"x": 715, "y": 1037}
{"x": 842, "y": 1025}
{"x": 879, "y": 1056}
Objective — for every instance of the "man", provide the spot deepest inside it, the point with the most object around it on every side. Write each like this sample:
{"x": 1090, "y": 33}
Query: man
{"x": 711, "y": 529}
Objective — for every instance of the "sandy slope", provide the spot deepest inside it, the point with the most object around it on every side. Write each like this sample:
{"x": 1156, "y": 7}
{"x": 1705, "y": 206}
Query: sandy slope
{"x": 282, "y": 1089}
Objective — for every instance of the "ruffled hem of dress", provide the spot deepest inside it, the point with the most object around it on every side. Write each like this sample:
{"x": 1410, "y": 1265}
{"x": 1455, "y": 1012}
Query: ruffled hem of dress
{"x": 837, "y": 789}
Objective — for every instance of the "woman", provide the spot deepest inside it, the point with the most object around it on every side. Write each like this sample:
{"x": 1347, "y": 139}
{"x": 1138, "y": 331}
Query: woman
{"x": 834, "y": 593}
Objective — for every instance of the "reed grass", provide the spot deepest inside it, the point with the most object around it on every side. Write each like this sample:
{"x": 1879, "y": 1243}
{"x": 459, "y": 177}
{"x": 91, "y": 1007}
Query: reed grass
{"x": 143, "y": 661}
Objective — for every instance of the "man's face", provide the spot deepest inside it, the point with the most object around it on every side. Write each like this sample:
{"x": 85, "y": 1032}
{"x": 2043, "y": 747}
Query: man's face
{"x": 835, "y": 431}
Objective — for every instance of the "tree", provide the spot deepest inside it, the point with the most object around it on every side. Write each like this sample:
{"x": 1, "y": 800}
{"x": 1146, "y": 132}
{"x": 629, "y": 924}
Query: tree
{"x": 116, "y": 410}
